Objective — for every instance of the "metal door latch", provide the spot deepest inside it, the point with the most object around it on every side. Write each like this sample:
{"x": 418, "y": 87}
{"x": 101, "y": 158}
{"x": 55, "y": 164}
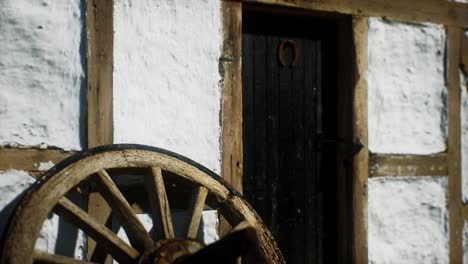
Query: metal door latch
{"x": 351, "y": 148}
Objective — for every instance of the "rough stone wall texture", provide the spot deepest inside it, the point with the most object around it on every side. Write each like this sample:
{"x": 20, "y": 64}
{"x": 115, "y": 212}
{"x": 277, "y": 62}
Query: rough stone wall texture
{"x": 42, "y": 73}
{"x": 407, "y": 115}
{"x": 166, "y": 78}
{"x": 407, "y": 94}
{"x": 408, "y": 221}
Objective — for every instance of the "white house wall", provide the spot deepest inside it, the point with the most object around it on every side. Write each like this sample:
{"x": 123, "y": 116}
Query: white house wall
{"x": 166, "y": 77}
{"x": 42, "y": 78}
{"x": 407, "y": 220}
{"x": 407, "y": 94}
{"x": 407, "y": 216}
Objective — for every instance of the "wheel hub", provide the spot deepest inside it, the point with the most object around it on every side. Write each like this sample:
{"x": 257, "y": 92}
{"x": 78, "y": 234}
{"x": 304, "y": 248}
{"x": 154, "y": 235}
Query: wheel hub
{"x": 167, "y": 251}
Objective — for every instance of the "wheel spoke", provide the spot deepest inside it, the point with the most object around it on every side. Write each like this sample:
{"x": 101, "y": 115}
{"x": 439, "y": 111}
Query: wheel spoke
{"x": 242, "y": 225}
{"x": 160, "y": 209}
{"x": 135, "y": 230}
{"x": 196, "y": 210}
{"x": 99, "y": 232}
{"x": 46, "y": 258}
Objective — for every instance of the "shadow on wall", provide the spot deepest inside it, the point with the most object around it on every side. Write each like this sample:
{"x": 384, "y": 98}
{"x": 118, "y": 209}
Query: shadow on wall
{"x": 57, "y": 235}
{"x": 82, "y": 97}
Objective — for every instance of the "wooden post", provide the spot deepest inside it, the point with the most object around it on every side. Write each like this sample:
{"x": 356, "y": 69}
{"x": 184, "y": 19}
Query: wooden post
{"x": 360, "y": 160}
{"x": 230, "y": 70}
{"x": 99, "y": 62}
{"x": 454, "y": 150}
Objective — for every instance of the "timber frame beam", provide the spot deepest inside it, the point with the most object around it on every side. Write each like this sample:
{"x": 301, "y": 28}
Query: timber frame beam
{"x": 454, "y": 38}
{"x": 436, "y": 11}
{"x": 99, "y": 62}
{"x": 30, "y": 159}
{"x": 407, "y": 165}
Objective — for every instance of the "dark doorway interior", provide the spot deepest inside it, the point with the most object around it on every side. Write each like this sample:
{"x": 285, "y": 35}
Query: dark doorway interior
{"x": 290, "y": 127}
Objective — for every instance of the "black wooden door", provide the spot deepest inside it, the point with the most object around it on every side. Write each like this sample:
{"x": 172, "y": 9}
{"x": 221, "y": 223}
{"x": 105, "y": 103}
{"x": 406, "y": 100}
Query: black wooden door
{"x": 282, "y": 121}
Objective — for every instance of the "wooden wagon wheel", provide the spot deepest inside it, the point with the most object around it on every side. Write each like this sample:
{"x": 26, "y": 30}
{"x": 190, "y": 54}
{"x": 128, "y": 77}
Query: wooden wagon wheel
{"x": 96, "y": 170}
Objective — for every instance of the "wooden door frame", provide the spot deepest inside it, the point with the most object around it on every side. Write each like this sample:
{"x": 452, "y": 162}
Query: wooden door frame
{"x": 231, "y": 115}
{"x": 355, "y": 247}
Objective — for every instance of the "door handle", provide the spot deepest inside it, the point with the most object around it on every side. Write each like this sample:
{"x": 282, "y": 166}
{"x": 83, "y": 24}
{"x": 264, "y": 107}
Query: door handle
{"x": 352, "y": 148}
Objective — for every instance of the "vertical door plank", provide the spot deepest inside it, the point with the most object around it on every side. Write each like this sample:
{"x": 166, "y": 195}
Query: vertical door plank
{"x": 273, "y": 133}
{"x": 260, "y": 106}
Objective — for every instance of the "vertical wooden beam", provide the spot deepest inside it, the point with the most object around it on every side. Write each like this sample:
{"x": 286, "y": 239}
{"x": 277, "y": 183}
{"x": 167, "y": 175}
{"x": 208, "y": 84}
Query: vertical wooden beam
{"x": 454, "y": 151}
{"x": 230, "y": 70}
{"x": 361, "y": 160}
{"x": 99, "y": 62}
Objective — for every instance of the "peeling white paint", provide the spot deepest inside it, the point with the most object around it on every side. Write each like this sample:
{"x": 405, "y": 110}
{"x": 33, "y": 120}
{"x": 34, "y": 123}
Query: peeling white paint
{"x": 42, "y": 72}
{"x": 166, "y": 77}
{"x": 408, "y": 220}
{"x": 406, "y": 90}
{"x": 43, "y": 166}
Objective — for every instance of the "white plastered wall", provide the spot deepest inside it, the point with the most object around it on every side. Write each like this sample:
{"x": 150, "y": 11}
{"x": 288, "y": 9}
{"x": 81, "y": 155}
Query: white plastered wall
{"x": 42, "y": 78}
{"x": 166, "y": 82}
{"x": 407, "y": 217}
{"x": 166, "y": 77}
{"x": 42, "y": 90}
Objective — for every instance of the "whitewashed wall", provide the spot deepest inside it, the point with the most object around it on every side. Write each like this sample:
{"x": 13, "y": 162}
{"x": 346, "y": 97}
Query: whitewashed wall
{"x": 166, "y": 77}
{"x": 42, "y": 73}
{"x": 42, "y": 90}
{"x": 407, "y": 217}
{"x": 166, "y": 82}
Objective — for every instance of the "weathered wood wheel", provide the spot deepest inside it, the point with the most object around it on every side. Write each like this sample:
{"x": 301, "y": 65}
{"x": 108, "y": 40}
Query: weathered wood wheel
{"x": 165, "y": 175}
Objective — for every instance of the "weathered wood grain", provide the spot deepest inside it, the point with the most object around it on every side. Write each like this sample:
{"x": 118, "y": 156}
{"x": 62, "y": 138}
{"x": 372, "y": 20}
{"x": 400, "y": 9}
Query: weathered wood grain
{"x": 116, "y": 246}
{"x": 408, "y": 165}
{"x": 160, "y": 209}
{"x": 361, "y": 159}
{"x": 231, "y": 108}
{"x": 454, "y": 151}
{"x": 196, "y": 211}
{"x": 99, "y": 63}
{"x": 30, "y": 159}
{"x": 135, "y": 230}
